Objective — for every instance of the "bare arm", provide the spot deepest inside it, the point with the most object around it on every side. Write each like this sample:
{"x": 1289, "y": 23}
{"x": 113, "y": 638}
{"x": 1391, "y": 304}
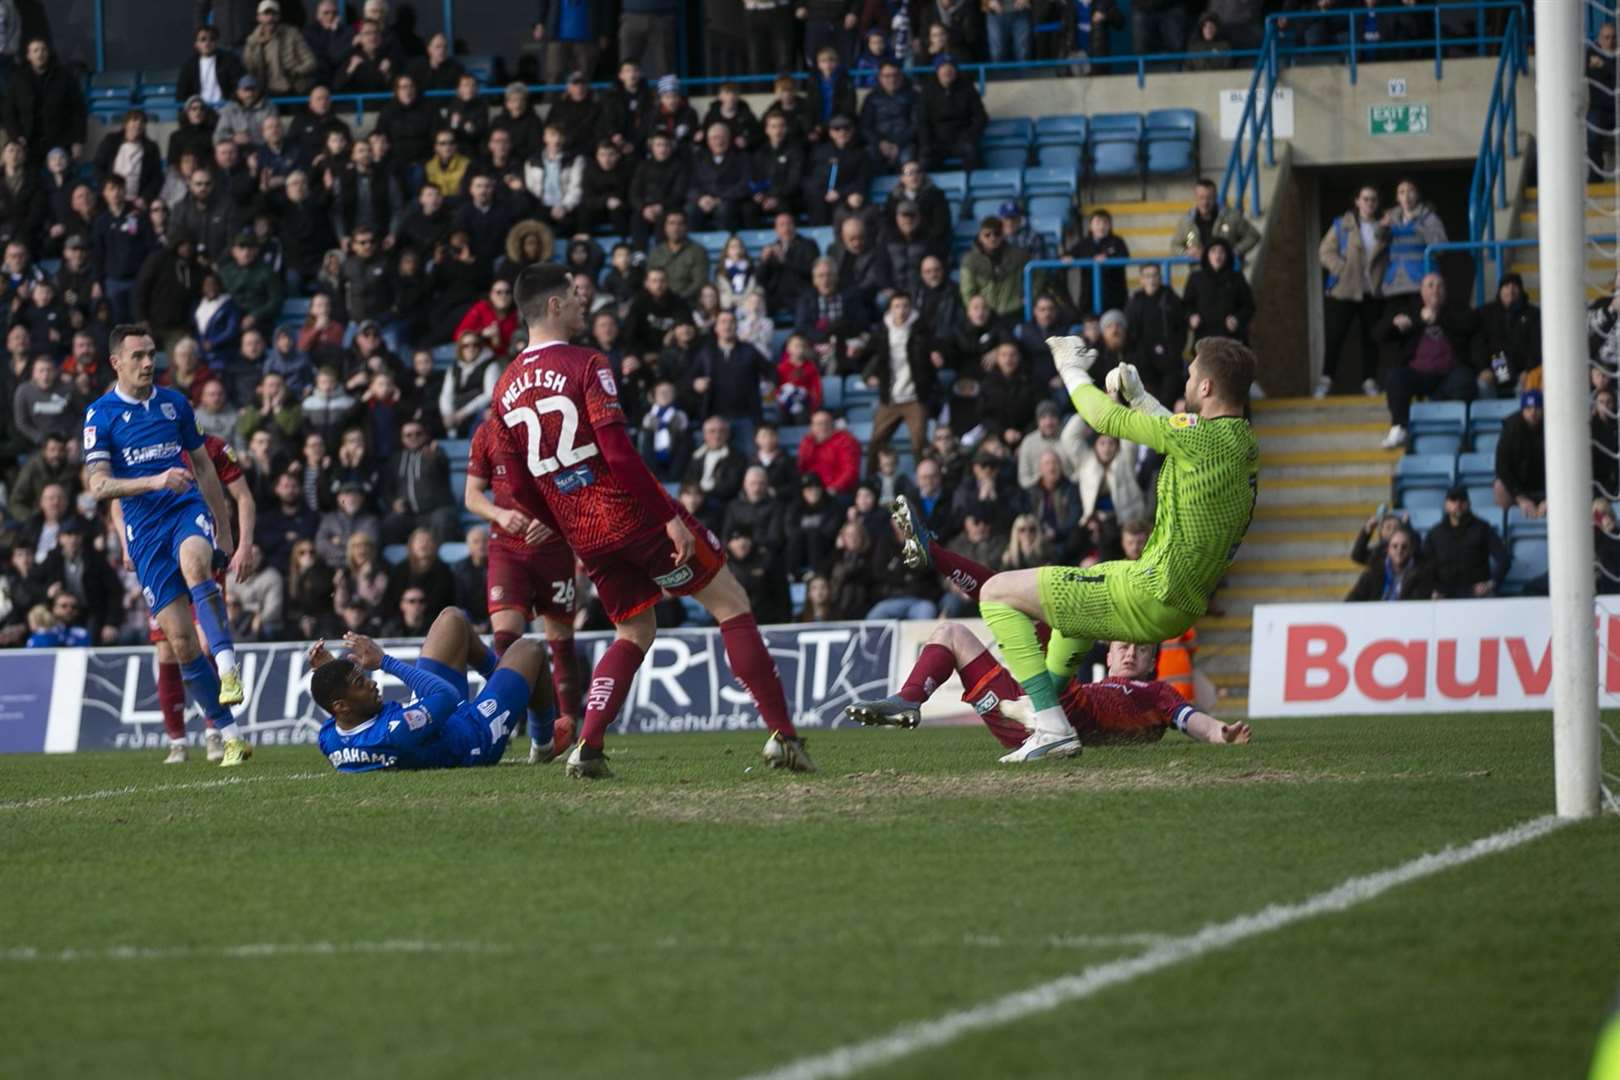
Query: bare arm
{"x": 103, "y": 485}
{"x": 514, "y": 521}
{"x": 247, "y": 519}
{"x": 1205, "y": 728}
{"x": 123, "y": 538}
{"x": 214, "y": 495}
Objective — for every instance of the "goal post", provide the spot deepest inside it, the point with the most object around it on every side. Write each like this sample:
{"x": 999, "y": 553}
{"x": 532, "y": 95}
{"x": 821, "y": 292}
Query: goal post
{"x": 1561, "y": 153}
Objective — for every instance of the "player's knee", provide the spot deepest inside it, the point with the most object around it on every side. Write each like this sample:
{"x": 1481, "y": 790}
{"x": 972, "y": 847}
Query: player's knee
{"x": 526, "y": 657}
{"x": 995, "y": 590}
{"x": 639, "y": 631}
{"x": 452, "y": 618}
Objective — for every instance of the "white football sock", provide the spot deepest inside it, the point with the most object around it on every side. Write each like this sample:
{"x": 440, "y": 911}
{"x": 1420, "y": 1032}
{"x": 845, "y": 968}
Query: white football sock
{"x": 1053, "y": 721}
{"x": 230, "y": 731}
{"x": 226, "y": 659}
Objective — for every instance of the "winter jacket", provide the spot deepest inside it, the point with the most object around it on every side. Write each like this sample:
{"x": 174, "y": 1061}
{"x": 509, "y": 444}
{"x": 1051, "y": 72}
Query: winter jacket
{"x": 949, "y": 116}
{"x": 166, "y": 289}
{"x": 1408, "y": 236}
{"x": 1411, "y": 583}
{"x": 46, "y": 108}
{"x": 410, "y": 130}
{"x": 227, "y": 68}
{"x": 853, "y": 173}
{"x": 1458, "y": 324}
{"x": 734, "y": 379}
{"x": 1000, "y": 277}
{"x": 1521, "y": 459}
{"x": 725, "y": 179}
{"x": 1349, "y": 265}
{"x": 659, "y": 183}
{"x": 520, "y": 232}
{"x": 1229, "y": 225}
{"x": 887, "y": 117}
{"x": 1158, "y": 330}
{"x": 256, "y": 289}
{"x": 151, "y": 178}
{"x": 1513, "y": 332}
{"x": 687, "y": 269}
{"x": 877, "y": 362}
{"x": 1214, "y": 296}
{"x": 778, "y": 170}
{"x": 1130, "y": 502}
{"x": 837, "y": 461}
{"x": 283, "y": 62}
{"x": 933, "y": 216}
{"x": 1463, "y": 555}
{"x": 120, "y": 245}
{"x": 570, "y": 180}
{"x": 869, "y": 271}
{"x": 236, "y": 119}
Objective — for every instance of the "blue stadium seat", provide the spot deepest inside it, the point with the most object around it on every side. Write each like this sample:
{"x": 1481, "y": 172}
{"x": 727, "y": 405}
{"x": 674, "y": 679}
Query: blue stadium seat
{"x": 1476, "y": 469}
{"x": 951, "y": 183}
{"x": 714, "y": 242}
{"x": 1435, "y": 443}
{"x": 1422, "y": 479}
{"x": 1529, "y": 562}
{"x": 1008, "y": 131}
{"x": 1482, "y": 504}
{"x": 964, "y": 233}
{"x": 113, "y": 86}
{"x": 792, "y": 436}
{"x": 456, "y": 449}
{"x": 394, "y": 554}
{"x": 1116, "y": 145}
{"x": 856, "y": 390}
{"x": 821, "y": 234}
{"x": 1484, "y": 442}
{"x": 696, "y": 614}
{"x": 673, "y": 487}
{"x": 159, "y": 83}
{"x": 481, "y": 65}
{"x": 1520, "y": 527}
{"x": 755, "y": 239}
{"x": 1060, "y": 156}
{"x": 1049, "y": 206}
{"x": 832, "y": 394}
{"x": 861, "y": 429}
{"x": 1424, "y": 518}
{"x": 996, "y": 183}
{"x": 1172, "y": 142}
{"x": 1041, "y": 180}
{"x": 987, "y": 206}
{"x": 444, "y": 355}
{"x": 796, "y": 595}
{"x": 453, "y": 552}
{"x": 295, "y": 307}
{"x": 881, "y": 187}
{"x": 1438, "y": 418}
{"x": 779, "y": 338}
{"x": 1487, "y": 416}
{"x": 1068, "y": 130}
{"x": 1005, "y": 157}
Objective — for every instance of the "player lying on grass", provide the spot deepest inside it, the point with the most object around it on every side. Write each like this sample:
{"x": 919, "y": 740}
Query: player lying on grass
{"x": 142, "y": 447}
{"x": 1125, "y": 707}
{"x": 440, "y": 728}
{"x": 1206, "y": 494}
{"x": 530, "y": 575}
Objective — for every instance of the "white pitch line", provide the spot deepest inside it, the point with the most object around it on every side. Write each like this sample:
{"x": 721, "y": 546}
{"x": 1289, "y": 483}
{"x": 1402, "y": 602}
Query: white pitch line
{"x": 912, "y": 1038}
{"x": 133, "y": 789}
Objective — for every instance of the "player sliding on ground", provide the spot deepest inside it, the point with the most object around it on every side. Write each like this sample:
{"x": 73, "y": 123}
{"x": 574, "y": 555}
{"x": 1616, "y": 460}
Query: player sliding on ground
{"x": 138, "y": 441}
{"x": 558, "y": 407}
{"x": 1206, "y": 495}
{"x": 1124, "y": 707}
{"x": 440, "y": 728}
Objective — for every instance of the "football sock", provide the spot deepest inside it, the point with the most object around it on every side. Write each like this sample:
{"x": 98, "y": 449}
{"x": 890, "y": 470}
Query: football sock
{"x": 171, "y": 695}
{"x": 485, "y": 659}
{"x": 934, "y": 665}
{"x": 985, "y": 685}
{"x": 960, "y": 570}
{"x": 199, "y": 675}
{"x": 564, "y": 675}
{"x": 1063, "y": 657}
{"x": 610, "y": 683}
{"x": 503, "y": 641}
{"x": 752, "y": 666}
{"x": 216, "y": 626}
{"x": 1015, "y": 633}
{"x": 542, "y": 723}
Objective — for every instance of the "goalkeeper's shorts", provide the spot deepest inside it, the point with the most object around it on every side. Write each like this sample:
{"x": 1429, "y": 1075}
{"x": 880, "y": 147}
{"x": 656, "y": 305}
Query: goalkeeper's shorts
{"x": 1111, "y": 601}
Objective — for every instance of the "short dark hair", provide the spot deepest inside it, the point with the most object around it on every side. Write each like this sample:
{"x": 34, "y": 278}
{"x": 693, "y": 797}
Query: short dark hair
{"x": 329, "y": 681}
{"x": 115, "y": 340}
{"x": 536, "y": 285}
{"x": 113, "y": 180}
{"x": 1228, "y": 364}
{"x": 1204, "y": 182}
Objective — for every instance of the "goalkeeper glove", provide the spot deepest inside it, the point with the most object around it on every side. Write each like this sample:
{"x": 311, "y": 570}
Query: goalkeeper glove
{"x": 1074, "y": 359}
{"x": 1125, "y": 381}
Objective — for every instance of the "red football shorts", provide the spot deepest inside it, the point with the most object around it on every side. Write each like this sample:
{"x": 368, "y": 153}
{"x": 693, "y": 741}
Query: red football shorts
{"x": 536, "y": 581}
{"x": 633, "y": 578}
{"x": 154, "y": 632}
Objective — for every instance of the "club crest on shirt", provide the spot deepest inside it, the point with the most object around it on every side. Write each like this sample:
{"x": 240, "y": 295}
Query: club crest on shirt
{"x": 496, "y": 592}
{"x": 168, "y": 411}
{"x": 487, "y": 707}
{"x": 1183, "y": 420}
{"x": 89, "y": 438}
{"x": 605, "y": 377}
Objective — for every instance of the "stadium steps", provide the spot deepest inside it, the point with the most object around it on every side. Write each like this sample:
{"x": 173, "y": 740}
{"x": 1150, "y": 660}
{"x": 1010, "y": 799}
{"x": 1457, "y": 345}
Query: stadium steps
{"x": 1321, "y": 476}
{"x": 1602, "y": 219}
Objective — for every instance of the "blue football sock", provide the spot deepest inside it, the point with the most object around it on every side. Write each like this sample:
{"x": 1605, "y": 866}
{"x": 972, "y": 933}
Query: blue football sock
{"x": 211, "y": 616}
{"x": 485, "y": 664}
{"x": 542, "y": 726}
{"x": 204, "y": 685}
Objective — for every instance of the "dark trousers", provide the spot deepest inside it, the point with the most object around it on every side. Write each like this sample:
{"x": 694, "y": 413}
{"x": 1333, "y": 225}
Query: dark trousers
{"x": 725, "y": 216}
{"x": 1337, "y": 315}
{"x": 966, "y": 148}
{"x": 1159, "y": 31}
{"x": 819, "y": 33}
{"x": 1403, "y": 384}
{"x": 649, "y": 39}
{"x": 770, "y": 41}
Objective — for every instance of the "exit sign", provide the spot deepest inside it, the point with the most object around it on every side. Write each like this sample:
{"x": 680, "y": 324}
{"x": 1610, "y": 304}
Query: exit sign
{"x": 1398, "y": 119}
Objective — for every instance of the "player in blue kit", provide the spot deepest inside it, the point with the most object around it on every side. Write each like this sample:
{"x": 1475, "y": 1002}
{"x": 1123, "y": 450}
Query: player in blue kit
{"x": 139, "y": 439}
{"x": 440, "y": 728}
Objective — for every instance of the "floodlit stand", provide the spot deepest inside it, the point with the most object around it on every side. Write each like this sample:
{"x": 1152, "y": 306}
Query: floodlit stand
{"x": 1561, "y": 178}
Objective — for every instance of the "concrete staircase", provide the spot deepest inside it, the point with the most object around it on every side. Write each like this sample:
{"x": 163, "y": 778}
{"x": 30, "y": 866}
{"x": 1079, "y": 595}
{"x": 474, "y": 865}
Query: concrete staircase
{"x": 1602, "y": 219}
{"x": 1322, "y": 474}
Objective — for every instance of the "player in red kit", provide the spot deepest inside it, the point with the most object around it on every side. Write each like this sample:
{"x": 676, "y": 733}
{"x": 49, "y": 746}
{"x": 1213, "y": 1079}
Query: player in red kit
{"x": 171, "y": 687}
{"x": 1124, "y": 707}
{"x": 558, "y": 407}
{"x": 531, "y": 575}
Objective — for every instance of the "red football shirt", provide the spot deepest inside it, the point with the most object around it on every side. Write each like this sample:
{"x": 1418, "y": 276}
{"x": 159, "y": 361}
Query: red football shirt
{"x": 494, "y": 460}
{"x": 1124, "y": 709}
{"x": 549, "y": 404}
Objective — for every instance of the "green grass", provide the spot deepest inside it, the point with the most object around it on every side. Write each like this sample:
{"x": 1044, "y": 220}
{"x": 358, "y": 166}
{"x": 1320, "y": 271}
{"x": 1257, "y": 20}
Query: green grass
{"x": 694, "y": 917}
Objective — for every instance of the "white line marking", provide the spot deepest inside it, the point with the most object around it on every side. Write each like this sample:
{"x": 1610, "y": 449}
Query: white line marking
{"x": 133, "y": 789}
{"x": 911, "y": 1038}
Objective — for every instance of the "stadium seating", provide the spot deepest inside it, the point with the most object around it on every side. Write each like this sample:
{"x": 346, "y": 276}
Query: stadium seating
{"x": 1422, "y": 479}
{"x": 1060, "y": 156}
{"x": 1016, "y": 131}
{"x": 1529, "y": 562}
{"x": 1067, "y": 130}
{"x": 1050, "y": 180}
{"x": 755, "y": 239}
{"x": 821, "y": 234}
{"x": 1424, "y": 518}
{"x": 1439, "y": 425}
{"x": 832, "y": 394}
{"x": 1116, "y": 146}
{"x": 1520, "y": 527}
{"x": 1476, "y": 469}
{"x": 1486, "y": 418}
{"x": 1005, "y": 157}
{"x": 113, "y": 89}
{"x": 878, "y": 193}
{"x": 1171, "y": 142}
{"x": 1482, "y": 503}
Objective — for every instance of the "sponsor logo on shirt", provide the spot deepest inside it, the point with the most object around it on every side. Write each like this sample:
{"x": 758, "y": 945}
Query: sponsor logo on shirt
{"x": 354, "y": 755}
{"x": 487, "y": 707}
{"x": 416, "y": 719}
{"x": 140, "y": 455}
{"x": 675, "y": 578}
{"x": 1183, "y": 420}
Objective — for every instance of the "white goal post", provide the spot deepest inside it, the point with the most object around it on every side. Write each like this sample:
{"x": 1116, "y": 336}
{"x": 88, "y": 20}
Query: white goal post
{"x": 1561, "y": 154}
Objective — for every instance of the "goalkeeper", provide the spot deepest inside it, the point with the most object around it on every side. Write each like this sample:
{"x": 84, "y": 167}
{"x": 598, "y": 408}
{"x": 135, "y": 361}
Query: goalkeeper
{"x": 1206, "y": 495}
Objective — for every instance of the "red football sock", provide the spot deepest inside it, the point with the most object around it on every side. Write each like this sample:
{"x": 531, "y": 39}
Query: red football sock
{"x": 934, "y": 665}
{"x": 959, "y": 570}
{"x": 171, "y": 695}
{"x": 610, "y": 684}
{"x": 503, "y": 641}
{"x": 752, "y": 665}
{"x": 564, "y": 675}
{"x": 985, "y": 685}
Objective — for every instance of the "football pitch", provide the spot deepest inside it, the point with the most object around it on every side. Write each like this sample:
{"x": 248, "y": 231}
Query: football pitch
{"x": 915, "y": 910}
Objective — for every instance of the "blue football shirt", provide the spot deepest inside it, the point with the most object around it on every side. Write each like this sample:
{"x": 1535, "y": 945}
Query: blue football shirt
{"x": 145, "y": 438}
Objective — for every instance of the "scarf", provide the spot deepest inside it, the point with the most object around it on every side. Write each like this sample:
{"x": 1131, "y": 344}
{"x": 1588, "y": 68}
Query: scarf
{"x": 663, "y": 439}
{"x": 740, "y": 276}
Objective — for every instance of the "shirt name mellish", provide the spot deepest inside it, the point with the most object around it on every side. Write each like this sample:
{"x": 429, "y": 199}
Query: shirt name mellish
{"x": 552, "y": 381}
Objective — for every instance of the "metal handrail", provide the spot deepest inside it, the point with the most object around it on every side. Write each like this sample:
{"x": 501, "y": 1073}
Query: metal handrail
{"x": 1494, "y": 252}
{"x": 1499, "y": 141}
{"x": 1164, "y": 262}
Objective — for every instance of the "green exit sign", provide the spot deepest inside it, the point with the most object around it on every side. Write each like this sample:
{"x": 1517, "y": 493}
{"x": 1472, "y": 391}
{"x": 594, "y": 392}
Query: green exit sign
{"x": 1399, "y": 119}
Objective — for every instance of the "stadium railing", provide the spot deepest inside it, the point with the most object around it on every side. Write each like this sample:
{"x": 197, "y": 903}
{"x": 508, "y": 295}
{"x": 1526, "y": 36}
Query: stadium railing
{"x": 1490, "y": 252}
{"x": 1164, "y": 262}
{"x": 1498, "y": 142}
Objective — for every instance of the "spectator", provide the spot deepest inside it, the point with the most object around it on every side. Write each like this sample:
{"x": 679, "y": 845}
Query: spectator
{"x": 416, "y": 488}
{"x": 364, "y": 196}
{"x": 468, "y": 385}
{"x": 1466, "y": 557}
{"x": 1521, "y": 460}
{"x": 363, "y": 576}
{"x": 812, "y": 524}
{"x": 1509, "y": 340}
{"x": 410, "y": 123}
{"x": 1158, "y": 26}
{"x": 45, "y": 404}
{"x": 756, "y": 510}
{"x": 938, "y": 301}
{"x": 625, "y": 107}
{"x": 838, "y": 175}
{"x": 1018, "y": 231}
{"x": 769, "y": 34}
{"x": 851, "y": 572}
{"x": 781, "y": 474}
{"x": 951, "y": 118}
{"x": 764, "y": 582}
{"x": 1354, "y": 252}
{"x": 684, "y": 263}
{"x": 336, "y": 527}
{"x": 737, "y": 282}
{"x": 1219, "y": 300}
{"x": 888, "y": 119}
{"x": 786, "y": 265}
{"x": 994, "y": 270}
{"x": 254, "y": 287}
{"x": 673, "y": 114}
{"x": 777, "y": 172}
{"x": 719, "y": 184}
{"x": 901, "y": 362}
{"x": 1208, "y": 220}
{"x": 1107, "y": 481}
{"x": 715, "y": 467}
{"x": 207, "y": 217}
{"x": 329, "y": 40}
{"x": 1375, "y": 535}
{"x": 493, "y": 319}
{"x": 1602, "y": 81}
{"x": 1433, "y": 353}
{"x": 273, "y": 410}
{"x": 413, "y": 614}
{"x": 833, "y": 319}
{"x": 1157, "y": 323}
{"x": 217, "y": 323}
{"x": 1397, "y": 576}
{"x": 727, "y": 374}
{"x": 370, "y": 66}
{"x": 1605, "y": 428}
{"x": 898, "y": 591}
{"x": 210, "y": 73}
{"x": 277, "y": 54}
{"x": 1048, "y": 424}
{"x": 1211, "y": 44}
{"x": 606, "y": 183}
{"x": 1413, "y": 226}
{"x": 691, "y": 497}
{"x": 1008, "y": 396}
{"x": 555, "y": 178}
{"x": 53, "y": 627}
{"x": 906, "y": 248}
{"x": 933, "y": 209}
{"x": 1055, "y": 510}
{"x": 214, "y": 413}
{"x": 647, "y": 34}
{"x": 82, "y": 574}
{"x": 1027, "y": 547}
{"x": 133, "y": 157}
{"x": 167, "y": 288}
{"x": 1010, "y": 27}
{"x": 1099, "y": 243}
{"x": 832, "y": 455}
{"x": 818, "y": 601}
{"x": 261, "y": 596}
{"x": 43, "y": 529}
{"x": 1603, "y": 328}
{"x": 242, "y": 118}
{"x": 658, "y": 187}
